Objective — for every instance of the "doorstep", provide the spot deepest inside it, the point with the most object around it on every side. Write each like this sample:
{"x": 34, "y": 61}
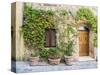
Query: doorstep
{"x": 86, "y": 58}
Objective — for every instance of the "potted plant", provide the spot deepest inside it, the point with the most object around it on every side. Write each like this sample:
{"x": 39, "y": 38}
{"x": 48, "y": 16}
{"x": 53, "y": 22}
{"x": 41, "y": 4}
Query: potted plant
{"x": 68, "y": 53}
{"x": 54, "y": 56}
{"x": 68, "y": 46}
{"x": 34, "y": 57}
{"x": 44, "y": 54}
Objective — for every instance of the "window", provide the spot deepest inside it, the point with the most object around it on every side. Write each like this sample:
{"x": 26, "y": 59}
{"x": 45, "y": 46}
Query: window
{"x": 50, "y": 38}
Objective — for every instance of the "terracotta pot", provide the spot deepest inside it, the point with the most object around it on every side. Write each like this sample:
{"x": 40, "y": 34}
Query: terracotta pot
{"x": 69, "y": 60}
{"x": 54, "y": 61}
{"x": 34, "y": 60}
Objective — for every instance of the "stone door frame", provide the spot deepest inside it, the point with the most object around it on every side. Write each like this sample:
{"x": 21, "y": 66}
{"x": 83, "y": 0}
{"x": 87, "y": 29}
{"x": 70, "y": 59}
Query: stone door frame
{"x": 81, "y": 27}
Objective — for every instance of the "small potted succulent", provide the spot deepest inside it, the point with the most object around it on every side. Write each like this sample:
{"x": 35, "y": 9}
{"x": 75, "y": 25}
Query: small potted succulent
{"x": 54, "y": 56}
{"x": 34, "y": 57}
{"x": 68, "y": 53}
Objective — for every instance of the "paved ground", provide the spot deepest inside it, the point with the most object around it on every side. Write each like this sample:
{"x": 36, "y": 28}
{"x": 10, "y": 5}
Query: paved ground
{"x": 22, "y": 67}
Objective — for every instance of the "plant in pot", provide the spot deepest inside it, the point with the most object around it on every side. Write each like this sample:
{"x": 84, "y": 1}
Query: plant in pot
{"x": 68, "y": 53}
{"x": 33, "y": 30}
{"x": 44, "y": 54}
{"x": 54, "y": 56}
{"x": 68, "y": 46}
{"x": 30, "y": 45}
{"x": 34, "y": 57}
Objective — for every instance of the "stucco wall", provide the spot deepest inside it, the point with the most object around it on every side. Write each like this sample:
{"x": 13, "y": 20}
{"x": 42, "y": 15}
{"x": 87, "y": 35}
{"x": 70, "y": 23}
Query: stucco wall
{"x": 17, "y": 39}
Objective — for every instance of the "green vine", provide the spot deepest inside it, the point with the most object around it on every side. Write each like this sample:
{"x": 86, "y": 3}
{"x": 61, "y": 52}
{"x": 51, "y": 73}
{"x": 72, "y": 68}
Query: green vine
{"x": 89, "y": 16}
{"x": 33, "y": 29}
{"x": 92, "y": 20}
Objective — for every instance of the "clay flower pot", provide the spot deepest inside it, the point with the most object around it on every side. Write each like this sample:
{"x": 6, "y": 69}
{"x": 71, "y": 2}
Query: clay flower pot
{"x": 34, "y": 60}
{"x": 69, "y": 60}
{"x": 54, "y": 61}
{"x": 54, "y": 56}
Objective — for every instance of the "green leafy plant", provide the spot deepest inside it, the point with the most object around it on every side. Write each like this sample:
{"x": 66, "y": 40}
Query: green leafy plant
{"x": 69, "y": 48}
{"x": 35, "y": 53}
{"x": 85, "y": 13}
{"x": 34, "y": 24}
{"x": 54, "y": 53}
{"x": 63, "y": 12}
{"x": 44, "y": 53}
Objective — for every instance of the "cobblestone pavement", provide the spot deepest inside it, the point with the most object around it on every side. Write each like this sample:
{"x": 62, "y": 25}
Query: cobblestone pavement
{"x": 23, "y": 66}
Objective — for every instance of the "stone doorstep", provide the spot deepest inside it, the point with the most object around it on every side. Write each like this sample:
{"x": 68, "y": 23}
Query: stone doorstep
{"x": 85, "y": 58}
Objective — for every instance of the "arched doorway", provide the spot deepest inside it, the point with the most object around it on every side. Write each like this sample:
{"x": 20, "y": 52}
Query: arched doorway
{"x": 83, "y": 40}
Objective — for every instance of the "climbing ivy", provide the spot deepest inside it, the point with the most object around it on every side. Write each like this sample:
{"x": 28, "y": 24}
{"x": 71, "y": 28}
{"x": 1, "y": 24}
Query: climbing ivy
{"x": 33, "y": 29}
{"x": 92, "y": 20}
{"x": 89, "y": 16}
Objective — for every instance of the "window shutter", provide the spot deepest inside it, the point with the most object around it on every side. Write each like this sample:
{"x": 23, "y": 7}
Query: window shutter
{"x": 47, "y": 38}
{"x": 50, "y": 38}
{"x": 53, "y": 38}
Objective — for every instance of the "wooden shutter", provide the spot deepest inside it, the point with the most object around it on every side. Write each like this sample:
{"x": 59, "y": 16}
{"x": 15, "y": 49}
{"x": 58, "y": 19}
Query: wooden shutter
{"x": 50, "y": 38}
{"x": 47, "y": 38}
{"x": 53, "y": 38}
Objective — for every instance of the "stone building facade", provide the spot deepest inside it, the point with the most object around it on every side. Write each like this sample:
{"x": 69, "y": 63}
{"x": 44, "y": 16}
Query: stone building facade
{"x": 18, "y": 48}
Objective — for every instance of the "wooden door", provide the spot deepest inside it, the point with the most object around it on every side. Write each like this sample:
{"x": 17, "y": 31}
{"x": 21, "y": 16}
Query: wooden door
{"x": 84, "y": 43}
